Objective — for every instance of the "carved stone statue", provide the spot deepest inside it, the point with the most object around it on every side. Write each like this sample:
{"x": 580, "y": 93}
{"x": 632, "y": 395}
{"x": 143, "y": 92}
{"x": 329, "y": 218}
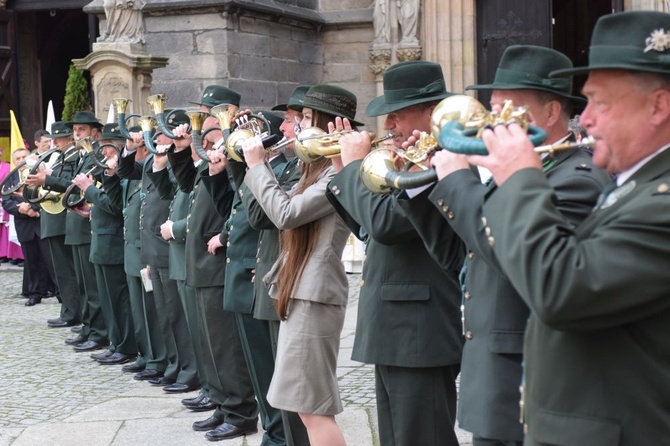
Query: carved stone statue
{"x": 405, "y": 12}
{"x": 408, "y": 17}
{"x": 124, "y": 21}
{"x": 382, "y": 21}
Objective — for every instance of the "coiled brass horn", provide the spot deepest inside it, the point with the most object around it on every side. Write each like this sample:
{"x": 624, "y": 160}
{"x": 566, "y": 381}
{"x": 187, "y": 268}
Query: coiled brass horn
{"x": 6, "y": 188}
{"x": 97, "y": 156}
{"x": 49, "y": 201}
{"x": 148, "y": 124}
{"x": 121, "y": 105}
{"x": 157, "y": 104}
{"x": 197, "y": 119}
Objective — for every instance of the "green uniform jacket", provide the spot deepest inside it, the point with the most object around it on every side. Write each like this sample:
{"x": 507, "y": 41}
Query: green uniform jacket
{"x": 153, "y": 211}
{"x": 408, "y": 311}
{"x": 494, "y": 314}
{"x": 180, "y": 205}
{"x": 52, "y": 225}
{"x": 128, "y": 196}
{"x": 78, "y": 228}
{"x": 597, "y": 346}
{"x": 106, "y": 225}
{"x": 241, "y": 244}
{"x": 203, "y": 222}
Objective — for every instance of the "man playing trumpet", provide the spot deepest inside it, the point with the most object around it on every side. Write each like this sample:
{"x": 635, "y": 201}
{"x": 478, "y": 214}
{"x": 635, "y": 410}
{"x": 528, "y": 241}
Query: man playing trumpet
{"x": 494, "y": 315}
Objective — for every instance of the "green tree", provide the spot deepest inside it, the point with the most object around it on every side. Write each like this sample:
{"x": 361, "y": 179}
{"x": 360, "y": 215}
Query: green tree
{"x": 76, "y": 94}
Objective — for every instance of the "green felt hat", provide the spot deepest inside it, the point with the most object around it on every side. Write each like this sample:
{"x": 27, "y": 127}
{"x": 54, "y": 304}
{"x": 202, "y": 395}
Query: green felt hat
{"x": 409, "y": 83}
{"x": 527, "y": 67}
{"x": 275, "y": 120}
{"x": 333, "y": 100}
{"x": 111, "y": 131}
{"x": 635, "y": 40}
{"x": 295, "y": 101}
{"x": 59, "y": 129}
{"x": 176, "y": 117}
{"x": 216, "y": 95}
{"x": 84, "y": 117}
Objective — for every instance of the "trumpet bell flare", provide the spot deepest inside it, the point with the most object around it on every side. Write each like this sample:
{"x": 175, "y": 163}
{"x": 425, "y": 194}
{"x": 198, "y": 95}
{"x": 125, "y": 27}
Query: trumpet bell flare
{"x": 460, "y": 107}
{"x": 375, "y": 168}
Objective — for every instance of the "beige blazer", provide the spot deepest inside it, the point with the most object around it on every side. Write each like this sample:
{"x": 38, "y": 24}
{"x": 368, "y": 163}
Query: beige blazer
{"x": 323, "y": 279}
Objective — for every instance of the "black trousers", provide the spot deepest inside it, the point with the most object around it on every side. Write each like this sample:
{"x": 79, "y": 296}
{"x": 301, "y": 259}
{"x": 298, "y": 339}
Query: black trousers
{"x": 416, "y": 405}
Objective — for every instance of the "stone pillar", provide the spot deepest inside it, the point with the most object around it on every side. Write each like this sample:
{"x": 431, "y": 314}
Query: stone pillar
{"x": 647, "y": 5}
{"x": 449, "y": 39}
{"x": 120, "y": 70}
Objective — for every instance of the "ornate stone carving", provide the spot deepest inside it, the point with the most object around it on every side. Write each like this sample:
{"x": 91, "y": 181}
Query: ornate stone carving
{"x": 124, "y": 21}
{"x": 408, "y": 17}
{"x": 511, "y": 30}
{"x": 381, "y": 60}
{"x": 404, "y": 54}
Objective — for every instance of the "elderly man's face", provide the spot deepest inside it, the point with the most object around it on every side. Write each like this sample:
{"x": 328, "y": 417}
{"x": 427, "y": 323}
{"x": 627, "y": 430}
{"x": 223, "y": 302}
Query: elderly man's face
{"x": 616, "y": 116}
{"x": 403, "y": 122}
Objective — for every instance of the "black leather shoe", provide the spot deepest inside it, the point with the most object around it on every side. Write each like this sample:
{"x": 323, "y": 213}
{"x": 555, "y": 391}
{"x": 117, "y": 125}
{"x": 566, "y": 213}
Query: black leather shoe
{"x": 132, "y": 368}
{"x": 117, "y": 358}
{"x": 179, "y": 388}
{"x": 33, "y": 301}
{"x": 226, "y": 431}
{"x": 207, "y": 425}
{"x": 106, "y": 354}
{"x": 203, "y": 406}
{"x": 76, "y": 329}
{"x": 147, "y": 374}
{"x": 162, "y": 381}
{"x": 194, "y": 400}
{"x": 60, "y": 323}
{"x": 79, "y": 339}
{"x": 89, "y": 346}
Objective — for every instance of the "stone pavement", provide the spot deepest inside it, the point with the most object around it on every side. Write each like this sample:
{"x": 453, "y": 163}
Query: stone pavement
{"x": 50, "y": 395}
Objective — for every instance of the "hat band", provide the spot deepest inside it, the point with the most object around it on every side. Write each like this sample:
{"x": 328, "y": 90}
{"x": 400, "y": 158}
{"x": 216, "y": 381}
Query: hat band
{"x": 505, "y": 76}
{"x": 626, "y": 55}
{"x": 336, "y": 105}
{"x": 432, "y": 89}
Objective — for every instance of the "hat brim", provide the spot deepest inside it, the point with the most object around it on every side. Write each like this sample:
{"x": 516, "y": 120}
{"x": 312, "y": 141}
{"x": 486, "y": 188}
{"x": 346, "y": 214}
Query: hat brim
{"x": 92, "y": 124}
{"x": 60, "y": 135}
{"x": 620, "y": 66}
{"x": 576, "y": 100}
{"x": 280, "y": 107}
{"x": 379, "y": 107}
{"x": 324, "y": 110}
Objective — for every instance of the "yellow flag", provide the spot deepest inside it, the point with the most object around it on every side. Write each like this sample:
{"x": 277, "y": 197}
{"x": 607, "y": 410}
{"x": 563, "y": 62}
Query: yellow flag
{"x": 15, "y": 138}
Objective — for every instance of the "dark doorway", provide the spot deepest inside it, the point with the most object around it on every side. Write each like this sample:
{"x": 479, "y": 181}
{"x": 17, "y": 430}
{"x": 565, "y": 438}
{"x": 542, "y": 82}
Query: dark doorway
{"x": 573, "y": 26}
{"x": 565, "y": 25}
{"x": 61, "y": 36}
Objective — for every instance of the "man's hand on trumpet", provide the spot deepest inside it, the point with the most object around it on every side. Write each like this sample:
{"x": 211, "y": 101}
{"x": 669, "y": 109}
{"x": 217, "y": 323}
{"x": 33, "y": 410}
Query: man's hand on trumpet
{"x": 354, "y": 145}
{"x": 83, "y": 182}
{"x": 509, "y": 149}
{"x": 217, "y": 161}
{"x": 161, "y": 160}
{"x": 443, "y": 161}
{"x": 183, "y": 138}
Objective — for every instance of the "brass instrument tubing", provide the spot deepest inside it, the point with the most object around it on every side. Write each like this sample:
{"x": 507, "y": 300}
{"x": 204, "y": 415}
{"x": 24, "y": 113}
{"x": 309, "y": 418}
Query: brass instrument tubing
{"x": 589, "y": 141}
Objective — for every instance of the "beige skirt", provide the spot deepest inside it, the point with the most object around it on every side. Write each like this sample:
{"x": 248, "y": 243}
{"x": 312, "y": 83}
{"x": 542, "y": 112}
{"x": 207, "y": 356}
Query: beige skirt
{"x": 305, "y": 378}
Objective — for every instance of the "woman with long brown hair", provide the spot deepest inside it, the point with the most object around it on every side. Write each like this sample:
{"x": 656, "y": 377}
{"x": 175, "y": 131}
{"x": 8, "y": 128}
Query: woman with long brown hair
{"x": 308, "y": 279}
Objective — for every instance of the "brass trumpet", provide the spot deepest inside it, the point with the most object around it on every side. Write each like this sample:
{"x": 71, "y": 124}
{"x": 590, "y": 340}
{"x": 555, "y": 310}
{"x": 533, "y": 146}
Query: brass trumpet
{"x": 312, "y": 144}
{"x": 225, "y": 114}
{"x": 456, "y": 122}
{"x": 247, "y": 127}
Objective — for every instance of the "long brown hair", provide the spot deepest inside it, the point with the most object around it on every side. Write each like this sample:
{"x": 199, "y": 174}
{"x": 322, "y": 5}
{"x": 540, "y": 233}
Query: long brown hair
{"x": 298, "y": 244}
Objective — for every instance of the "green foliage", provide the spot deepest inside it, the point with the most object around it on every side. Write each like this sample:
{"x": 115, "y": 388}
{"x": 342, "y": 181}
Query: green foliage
{"x": 76, "y": 94}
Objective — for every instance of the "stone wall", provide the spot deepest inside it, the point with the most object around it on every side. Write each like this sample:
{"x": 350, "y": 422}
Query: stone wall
{"x": 259, "y": 51}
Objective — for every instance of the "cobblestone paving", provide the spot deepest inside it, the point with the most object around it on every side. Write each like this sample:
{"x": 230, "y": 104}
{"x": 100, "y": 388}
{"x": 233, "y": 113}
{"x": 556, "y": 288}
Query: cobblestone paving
{"x": 42, "y": 378}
